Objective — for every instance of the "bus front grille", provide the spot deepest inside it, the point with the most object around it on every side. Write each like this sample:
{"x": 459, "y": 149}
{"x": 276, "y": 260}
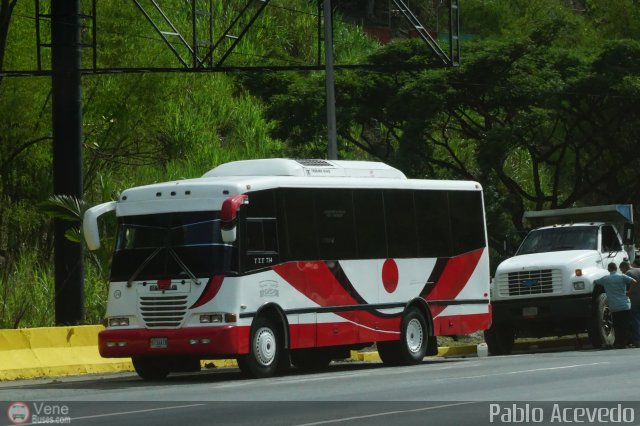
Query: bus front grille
{"x": 163, "y": 311}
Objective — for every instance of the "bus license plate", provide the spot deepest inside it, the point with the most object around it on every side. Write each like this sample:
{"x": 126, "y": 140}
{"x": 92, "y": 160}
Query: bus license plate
{"x": 530, "y": 311}
{"x": 158, "y": 342}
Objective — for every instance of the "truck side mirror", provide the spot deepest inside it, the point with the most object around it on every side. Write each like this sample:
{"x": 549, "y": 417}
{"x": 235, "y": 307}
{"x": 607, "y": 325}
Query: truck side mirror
{"x": 627, "y": 234}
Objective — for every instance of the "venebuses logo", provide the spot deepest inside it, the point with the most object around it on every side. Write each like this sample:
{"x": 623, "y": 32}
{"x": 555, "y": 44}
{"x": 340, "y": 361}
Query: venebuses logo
{"x": 18, "y": 413}
{"x": 39, "y": 413}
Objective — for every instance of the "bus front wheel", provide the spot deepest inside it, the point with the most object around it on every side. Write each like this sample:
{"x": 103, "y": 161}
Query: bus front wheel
{"x": 265, "y": 350}
{"x": 151, "y": 368}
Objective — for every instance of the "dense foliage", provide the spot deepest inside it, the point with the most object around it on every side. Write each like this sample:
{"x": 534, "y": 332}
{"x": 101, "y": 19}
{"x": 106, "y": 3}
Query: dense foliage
{"x": 543, "y": 112}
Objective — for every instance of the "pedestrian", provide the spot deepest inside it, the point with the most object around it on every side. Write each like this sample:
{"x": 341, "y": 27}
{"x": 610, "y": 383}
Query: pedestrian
{"x": 634, "y": 296}
{"x": 615, "y": 285}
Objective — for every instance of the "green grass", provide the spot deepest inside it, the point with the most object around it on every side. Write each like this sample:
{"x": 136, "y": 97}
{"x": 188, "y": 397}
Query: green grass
{"x": 461, "y": 340}
{"x": 27, "y": 293}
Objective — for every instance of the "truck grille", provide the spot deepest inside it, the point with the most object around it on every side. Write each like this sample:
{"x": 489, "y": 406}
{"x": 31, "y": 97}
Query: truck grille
{"x": 163, "y": 311}
{"x": 541, "y": 281}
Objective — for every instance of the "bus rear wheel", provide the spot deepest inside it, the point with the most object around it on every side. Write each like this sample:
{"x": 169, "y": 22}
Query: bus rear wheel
{"x": 265, "y": 350}
{"x": 151, "y": 368}
{"x": 412, "y": 347}
{"x": 311, "y": 359}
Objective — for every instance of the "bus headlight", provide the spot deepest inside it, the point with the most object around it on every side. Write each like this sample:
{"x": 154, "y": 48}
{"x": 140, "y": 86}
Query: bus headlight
{"x": 211, "y": 318}
{"x": 217, "y": 317}
{"x": 118, "y": 322}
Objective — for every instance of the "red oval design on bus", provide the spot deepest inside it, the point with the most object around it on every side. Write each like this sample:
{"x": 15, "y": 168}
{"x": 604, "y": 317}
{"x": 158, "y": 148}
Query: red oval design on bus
{"x": 390, "y": 275}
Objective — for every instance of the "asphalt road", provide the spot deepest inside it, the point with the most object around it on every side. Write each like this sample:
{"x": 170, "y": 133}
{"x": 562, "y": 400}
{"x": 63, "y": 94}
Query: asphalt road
{"x": 439, "y": 391}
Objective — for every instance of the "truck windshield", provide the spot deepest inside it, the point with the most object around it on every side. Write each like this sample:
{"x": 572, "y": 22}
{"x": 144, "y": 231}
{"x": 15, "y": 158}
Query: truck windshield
{"x": 169, "y": 245}
{"x": 559, "y": 239}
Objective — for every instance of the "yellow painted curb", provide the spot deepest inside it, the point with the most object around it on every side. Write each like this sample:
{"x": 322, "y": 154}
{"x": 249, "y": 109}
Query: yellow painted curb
{"x": 54, "y": 351}
{"x": 554, "y": 343}
{"x": 456, "y": 350}
{"x": 444, "y": 351}
{"x": 218, "y": 363}
{"x": 371, "y": 356}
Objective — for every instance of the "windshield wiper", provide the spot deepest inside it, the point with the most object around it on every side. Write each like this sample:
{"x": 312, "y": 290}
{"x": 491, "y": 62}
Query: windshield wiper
{"x": 613, "y": 253}
{"x": 184, "y": 267}
{"x": 142, "y": 265}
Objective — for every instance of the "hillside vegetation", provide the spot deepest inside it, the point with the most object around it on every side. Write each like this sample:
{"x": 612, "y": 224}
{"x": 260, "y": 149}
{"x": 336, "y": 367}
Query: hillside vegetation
{"x": 544, "y": 112}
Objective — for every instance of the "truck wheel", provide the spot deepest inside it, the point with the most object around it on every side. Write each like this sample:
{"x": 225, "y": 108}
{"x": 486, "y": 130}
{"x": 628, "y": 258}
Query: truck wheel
{"x": 265, "y": 350}
{"x": 499, "y": 339}
{"x": 150, "y": 368}
{"x": 601, "y": 333}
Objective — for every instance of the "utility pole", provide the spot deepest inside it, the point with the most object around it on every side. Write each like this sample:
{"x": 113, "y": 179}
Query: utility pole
{"x": 67, "y": 154}
{"x": 329, "y": 81}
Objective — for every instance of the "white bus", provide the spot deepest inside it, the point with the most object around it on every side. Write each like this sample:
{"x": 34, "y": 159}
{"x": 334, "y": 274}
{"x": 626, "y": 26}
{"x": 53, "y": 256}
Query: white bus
{"x": 280, "y": 261}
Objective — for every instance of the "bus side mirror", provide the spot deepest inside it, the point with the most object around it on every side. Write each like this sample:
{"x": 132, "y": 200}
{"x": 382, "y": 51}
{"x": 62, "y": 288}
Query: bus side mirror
{"x": 90, "y": 223}
{"x": 228, "y": 216}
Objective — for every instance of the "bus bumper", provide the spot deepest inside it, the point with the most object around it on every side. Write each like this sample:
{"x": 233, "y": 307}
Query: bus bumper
{"x": 203, "y": 342}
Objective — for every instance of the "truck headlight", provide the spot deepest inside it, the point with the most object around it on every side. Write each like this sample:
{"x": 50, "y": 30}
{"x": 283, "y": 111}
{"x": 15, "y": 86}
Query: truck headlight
{"x": 578, "y": 285}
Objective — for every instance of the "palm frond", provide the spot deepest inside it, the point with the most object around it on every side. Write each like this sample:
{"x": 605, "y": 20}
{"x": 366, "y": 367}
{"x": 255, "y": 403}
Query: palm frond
{"x": 66, "y": 207}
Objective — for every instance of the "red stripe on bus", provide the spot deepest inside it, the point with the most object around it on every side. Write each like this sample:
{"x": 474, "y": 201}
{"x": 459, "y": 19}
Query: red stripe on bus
{"x": 454, "y": 278}
{"x": 210, "y": 291}
{"x": 316, "y": 281}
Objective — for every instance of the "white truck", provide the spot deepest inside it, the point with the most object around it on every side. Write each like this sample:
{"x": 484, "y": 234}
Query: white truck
{"x": 546, "y": 288}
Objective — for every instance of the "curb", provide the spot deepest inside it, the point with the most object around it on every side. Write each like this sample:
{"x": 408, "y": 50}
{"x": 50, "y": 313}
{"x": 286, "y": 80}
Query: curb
{"x": 62, "y": 351}
{"x": 53, "y": 351}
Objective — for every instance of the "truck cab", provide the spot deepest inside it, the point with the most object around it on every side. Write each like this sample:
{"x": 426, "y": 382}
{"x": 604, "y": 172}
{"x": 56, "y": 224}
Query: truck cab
{"x": 547, "y": 288}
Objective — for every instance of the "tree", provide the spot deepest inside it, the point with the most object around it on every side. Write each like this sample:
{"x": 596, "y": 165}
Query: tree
{"x": 6, "y": 10}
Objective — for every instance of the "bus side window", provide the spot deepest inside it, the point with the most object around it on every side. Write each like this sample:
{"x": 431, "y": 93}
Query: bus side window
{"x": 334, "y": 219}
{"x": 400, "y": 218}
{"x": 433, "y": 224}
{"x": 297, "y": 213}
{"x": 467, "y": 220}
{"x": 369, "y": 223}
{"x": 261, "y": 235}
{"x": 260, "y": 243}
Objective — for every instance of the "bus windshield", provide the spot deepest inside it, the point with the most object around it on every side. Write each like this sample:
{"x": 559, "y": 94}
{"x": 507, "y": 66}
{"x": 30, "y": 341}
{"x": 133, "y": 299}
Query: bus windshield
{"x": 559, "y": 239}
{"x": 169, "y": 245}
